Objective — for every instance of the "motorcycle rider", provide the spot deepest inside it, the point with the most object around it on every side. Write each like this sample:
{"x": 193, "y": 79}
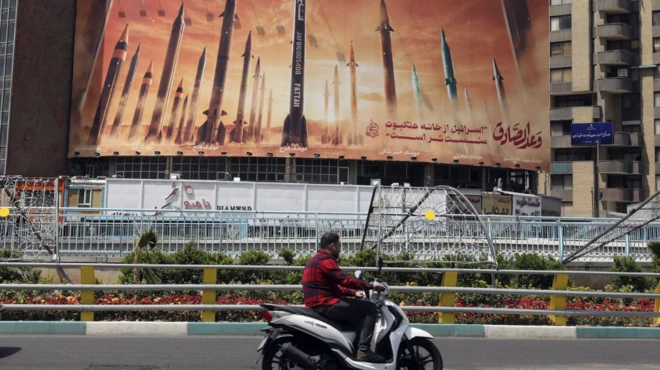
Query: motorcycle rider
{"x": 325, "y": 285}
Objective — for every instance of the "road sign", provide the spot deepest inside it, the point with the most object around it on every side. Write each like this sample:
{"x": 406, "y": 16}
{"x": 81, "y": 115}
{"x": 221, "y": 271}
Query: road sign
{"x": 591, "y": 133}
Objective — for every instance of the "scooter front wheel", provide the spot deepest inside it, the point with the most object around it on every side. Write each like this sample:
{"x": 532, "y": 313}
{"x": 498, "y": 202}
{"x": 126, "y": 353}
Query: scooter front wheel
{"x": 424, "y": 351}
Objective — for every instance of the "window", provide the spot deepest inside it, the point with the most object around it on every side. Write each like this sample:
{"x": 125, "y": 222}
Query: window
{"x": 561, "y": 48}
{"x": 656, "y": 18}
{"x": 623, "y": 18}
{"x": 632, "y": 46}
{"x": 631, "y": 107}
{"x": 560, "y": 2}
{"x": 560, "y": 128}
{"x": 321, "y": 171}
{"x": 561, "y": 75}
{"x": 258, "y": 169}
{"x": 573, "y": 154}
{"x": 656, "y": 44}
{"x": 657, "y": 182}
{"x": 657, "y": 154}
{"x": 656, "y": 99}
{"x": 142, "y": 167}
{"x": 560, "y": 23}
{"x": 201, "y": 168}
{"x": 585, "y": 100}
{"x": 561, "y": 181}
{"x": 657, "y": 127}
{"x": 85, "y": 198}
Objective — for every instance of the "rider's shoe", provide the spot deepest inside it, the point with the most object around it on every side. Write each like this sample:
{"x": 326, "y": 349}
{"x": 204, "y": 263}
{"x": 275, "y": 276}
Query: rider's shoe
{"x": 369, "y": 356}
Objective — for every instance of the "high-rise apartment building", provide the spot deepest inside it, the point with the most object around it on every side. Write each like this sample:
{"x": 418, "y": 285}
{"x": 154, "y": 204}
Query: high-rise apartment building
{"x": 604, "y": 57}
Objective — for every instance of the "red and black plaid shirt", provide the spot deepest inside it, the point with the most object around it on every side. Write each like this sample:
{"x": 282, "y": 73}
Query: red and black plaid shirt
{"x": 324, "y": 283}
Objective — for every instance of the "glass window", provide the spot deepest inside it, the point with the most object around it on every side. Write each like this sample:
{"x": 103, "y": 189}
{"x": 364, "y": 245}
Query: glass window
{"x": 560, "y": 75}
{"x": 656, "y": 18}
{"x": 321, "y": 171}
{"x": 85, "y": 198}
{"x": 560, "y": 23}
{"x": 584, "y": 100}
{"x": 560, "y": 2}
{"x": 560, "y": 48}
{"x": 656, "y": 44}
{"x": 141, "y": 167}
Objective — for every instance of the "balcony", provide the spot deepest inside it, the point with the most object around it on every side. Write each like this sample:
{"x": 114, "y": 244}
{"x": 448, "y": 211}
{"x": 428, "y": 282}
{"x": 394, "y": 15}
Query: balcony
{"x": 565, "y": 114}
{"x": 615, "y": 85}
{"x": 561, "y": 168}
{"x": 561, "y": 88}
{"x": 561, "y": 61}
{"x": 656, "y": 112}
{"x": 656, "y": 139}
{"x": 562, "y": 9}
{"x": 617, "y": 6}
{"x": 656, "y": 85}
{"x": 614, "y": 58}
{"x": 614, "y": 31}
{"x": 619, "y": 139}
{"x": 614, "y": 167}
{"x": 622, "y": 195}
{"x": 561, "y": 35}
{"x": 566, "y": 195}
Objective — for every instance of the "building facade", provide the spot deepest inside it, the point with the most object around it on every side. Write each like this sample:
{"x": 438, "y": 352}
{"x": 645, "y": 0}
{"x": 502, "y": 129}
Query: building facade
{"x": 604, "y": 57}
{"x": 35, "y": 144}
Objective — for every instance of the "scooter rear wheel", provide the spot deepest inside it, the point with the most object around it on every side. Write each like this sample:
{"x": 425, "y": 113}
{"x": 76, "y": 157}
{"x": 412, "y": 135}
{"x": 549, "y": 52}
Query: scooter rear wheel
{"x": 432, "y": 358}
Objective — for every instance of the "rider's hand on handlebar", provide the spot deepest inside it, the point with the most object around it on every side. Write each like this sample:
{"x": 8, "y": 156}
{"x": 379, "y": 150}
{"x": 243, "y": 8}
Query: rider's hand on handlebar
{"x": 378, "y": 287}
{"x": 359, "y": 294}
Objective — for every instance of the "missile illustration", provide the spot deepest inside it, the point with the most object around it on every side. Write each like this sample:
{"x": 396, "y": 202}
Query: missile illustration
{"x": 326, "y": 136}
{"x": 468, "y": 104}
{"x": 238, "y": 131}
{"x": 501, "y": 95}
{"x": 125, "y": 94}
{"x": 338, "y": 135}
{"x": 177, "y": 100}
{"x": 179, "y": 132}
{"x": 108, "y": 92}
{"x": 450, "y": 78}
{"x": 519, "y": 27}
{"x": 139, "y": 107}
{"x": 213, "y": 130}
{"x": 166, "y": 79}
{"x": 388, "y": 64}
{"x": 295, "y": 124}
{"x": 258, "y": 136}
{"x": 353, "y": 134}
{"x": 194, "y": 103}
{"x": 418, "y": 94}
{"x": 270, "y": 108}
{"x": 253, "y": 110}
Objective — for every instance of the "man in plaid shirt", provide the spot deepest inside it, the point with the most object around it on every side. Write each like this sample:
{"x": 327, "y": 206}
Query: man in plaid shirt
{"x": 324, "y": 287}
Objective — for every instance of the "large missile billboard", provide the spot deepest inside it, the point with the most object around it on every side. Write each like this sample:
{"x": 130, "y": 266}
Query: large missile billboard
{"x": 393, "y": 68}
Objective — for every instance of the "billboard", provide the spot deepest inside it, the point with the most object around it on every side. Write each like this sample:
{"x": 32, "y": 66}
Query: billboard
{"x": 462, "y": 80}
{"x": 591, "y": 133}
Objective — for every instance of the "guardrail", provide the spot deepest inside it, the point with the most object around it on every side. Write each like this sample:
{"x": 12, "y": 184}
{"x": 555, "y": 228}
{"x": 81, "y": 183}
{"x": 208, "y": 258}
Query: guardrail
{"x": 112, "y": 232}
{"x": 446, "y": 307}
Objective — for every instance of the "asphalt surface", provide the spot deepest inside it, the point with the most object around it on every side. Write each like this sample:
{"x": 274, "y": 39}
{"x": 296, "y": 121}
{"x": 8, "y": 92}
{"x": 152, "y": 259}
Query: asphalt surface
{"x": 229, "y": 353}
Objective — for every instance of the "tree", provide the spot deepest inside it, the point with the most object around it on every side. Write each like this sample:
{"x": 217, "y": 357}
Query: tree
{"x": 146, "y": 243}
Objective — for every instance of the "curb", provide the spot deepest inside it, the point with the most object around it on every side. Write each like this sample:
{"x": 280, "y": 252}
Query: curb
{"x": 179, "y": 329}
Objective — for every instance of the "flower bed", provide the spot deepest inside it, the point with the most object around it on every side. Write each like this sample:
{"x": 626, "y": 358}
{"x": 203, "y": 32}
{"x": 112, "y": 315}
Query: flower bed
{"x": 641, "y": 305}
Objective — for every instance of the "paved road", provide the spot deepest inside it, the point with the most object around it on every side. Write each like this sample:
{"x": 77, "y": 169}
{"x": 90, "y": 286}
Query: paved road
{"x": 205, "y": 353}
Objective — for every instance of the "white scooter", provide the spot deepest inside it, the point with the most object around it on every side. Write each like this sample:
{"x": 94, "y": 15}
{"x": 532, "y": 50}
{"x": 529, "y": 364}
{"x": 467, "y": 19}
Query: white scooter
{"x": 300, "y": 338}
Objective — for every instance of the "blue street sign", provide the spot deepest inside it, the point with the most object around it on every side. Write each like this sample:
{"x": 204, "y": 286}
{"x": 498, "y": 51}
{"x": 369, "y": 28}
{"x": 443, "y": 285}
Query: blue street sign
{"x": 591, "y": 133}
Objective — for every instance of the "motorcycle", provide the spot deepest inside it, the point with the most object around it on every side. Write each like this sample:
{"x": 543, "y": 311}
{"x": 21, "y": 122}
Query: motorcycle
{"x": 300, "y": 338}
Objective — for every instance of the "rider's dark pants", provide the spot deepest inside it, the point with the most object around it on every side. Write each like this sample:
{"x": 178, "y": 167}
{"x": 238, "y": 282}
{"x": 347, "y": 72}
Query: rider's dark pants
{"x": 362, "y": 314}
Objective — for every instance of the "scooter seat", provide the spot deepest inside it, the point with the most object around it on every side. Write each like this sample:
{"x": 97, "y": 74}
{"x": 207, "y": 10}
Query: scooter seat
{"x": 339, "y": 325}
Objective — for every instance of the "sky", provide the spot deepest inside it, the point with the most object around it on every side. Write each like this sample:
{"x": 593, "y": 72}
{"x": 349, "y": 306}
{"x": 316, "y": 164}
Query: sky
{"x": 475, "y": 31}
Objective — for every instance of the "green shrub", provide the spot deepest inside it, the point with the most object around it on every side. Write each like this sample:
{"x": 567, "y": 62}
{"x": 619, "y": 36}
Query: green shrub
{"x": 628, "y": 264}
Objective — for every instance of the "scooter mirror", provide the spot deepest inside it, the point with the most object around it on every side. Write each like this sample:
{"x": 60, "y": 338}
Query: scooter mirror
{"x": 358, "y": 274}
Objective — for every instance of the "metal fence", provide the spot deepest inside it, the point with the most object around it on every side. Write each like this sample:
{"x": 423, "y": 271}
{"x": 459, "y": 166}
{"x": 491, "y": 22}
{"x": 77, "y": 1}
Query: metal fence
{"x": 446, "y": 306}
{"x": 112, "y": 232}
